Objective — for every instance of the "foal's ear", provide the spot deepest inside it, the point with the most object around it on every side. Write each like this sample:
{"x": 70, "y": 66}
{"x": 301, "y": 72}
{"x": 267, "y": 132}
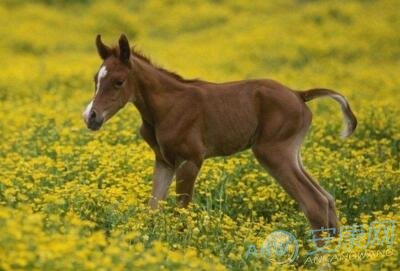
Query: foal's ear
{"x": 124, "y": 49}
{"x": 103, "y": 50}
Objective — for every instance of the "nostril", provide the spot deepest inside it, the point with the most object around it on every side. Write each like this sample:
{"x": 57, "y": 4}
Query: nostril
{"x": 92, "y": 115}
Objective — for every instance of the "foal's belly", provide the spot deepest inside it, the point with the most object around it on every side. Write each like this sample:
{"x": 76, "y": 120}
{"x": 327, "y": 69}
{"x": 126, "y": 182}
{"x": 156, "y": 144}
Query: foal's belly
{"x": 230, "y": 129}
{"x": 225, "y": 145}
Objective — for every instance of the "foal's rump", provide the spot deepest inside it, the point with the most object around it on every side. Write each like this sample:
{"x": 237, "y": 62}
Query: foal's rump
{"x": 236, "y": 115}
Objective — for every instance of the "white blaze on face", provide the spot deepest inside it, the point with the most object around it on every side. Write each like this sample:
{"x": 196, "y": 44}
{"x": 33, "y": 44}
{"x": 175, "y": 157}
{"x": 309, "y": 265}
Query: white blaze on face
{"x": 101, "y": 74}
{"x": 87, "y": 111}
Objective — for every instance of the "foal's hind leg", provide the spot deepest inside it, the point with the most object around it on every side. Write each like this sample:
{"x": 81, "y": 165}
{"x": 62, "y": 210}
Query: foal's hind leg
{"x": 333, "y": 220}
{"x": 280, "y": 159}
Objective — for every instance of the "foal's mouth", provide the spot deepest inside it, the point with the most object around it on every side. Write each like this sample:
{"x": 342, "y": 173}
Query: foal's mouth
{"x": 93, "y": 120}
{"x": 94, "y": 125}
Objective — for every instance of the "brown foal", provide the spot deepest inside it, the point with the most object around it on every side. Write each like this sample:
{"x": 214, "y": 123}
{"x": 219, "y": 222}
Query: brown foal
{"x": 188, "y": 121}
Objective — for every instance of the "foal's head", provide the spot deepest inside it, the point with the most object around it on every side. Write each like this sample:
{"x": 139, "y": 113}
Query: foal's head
{"x": 112, "y": 83}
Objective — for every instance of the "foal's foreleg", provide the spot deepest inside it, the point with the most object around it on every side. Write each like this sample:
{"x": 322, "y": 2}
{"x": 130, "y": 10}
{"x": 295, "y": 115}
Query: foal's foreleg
{"x": 162, "y": 178}
{"x": 185, "y": 178}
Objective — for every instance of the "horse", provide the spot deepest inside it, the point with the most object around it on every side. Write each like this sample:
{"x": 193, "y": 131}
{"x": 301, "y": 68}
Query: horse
{"x": 187, "y": 121}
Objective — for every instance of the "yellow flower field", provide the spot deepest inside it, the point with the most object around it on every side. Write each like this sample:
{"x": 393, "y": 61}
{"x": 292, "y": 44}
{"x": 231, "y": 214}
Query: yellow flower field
{"x": 71, "y": 199}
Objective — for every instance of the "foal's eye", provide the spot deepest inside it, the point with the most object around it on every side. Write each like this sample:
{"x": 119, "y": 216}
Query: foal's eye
{"x": 118, "y": 83}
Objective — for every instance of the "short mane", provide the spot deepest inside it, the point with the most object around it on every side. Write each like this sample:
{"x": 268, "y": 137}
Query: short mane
{"x": 141, "y": 56}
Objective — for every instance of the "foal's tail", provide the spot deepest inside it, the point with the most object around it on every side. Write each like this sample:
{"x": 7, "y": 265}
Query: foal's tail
{"x": 348, "y": 115}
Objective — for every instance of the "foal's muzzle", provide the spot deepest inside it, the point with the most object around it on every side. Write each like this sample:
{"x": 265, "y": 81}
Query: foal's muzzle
{"x": 94, "y": 120}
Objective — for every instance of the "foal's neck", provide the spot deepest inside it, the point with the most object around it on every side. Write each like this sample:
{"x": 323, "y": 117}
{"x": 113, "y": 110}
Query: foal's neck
{"x": 155, "y": 91}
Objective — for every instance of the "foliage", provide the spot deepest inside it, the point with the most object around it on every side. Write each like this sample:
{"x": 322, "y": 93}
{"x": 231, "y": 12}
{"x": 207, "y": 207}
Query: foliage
{"x": 72, "y": 199}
